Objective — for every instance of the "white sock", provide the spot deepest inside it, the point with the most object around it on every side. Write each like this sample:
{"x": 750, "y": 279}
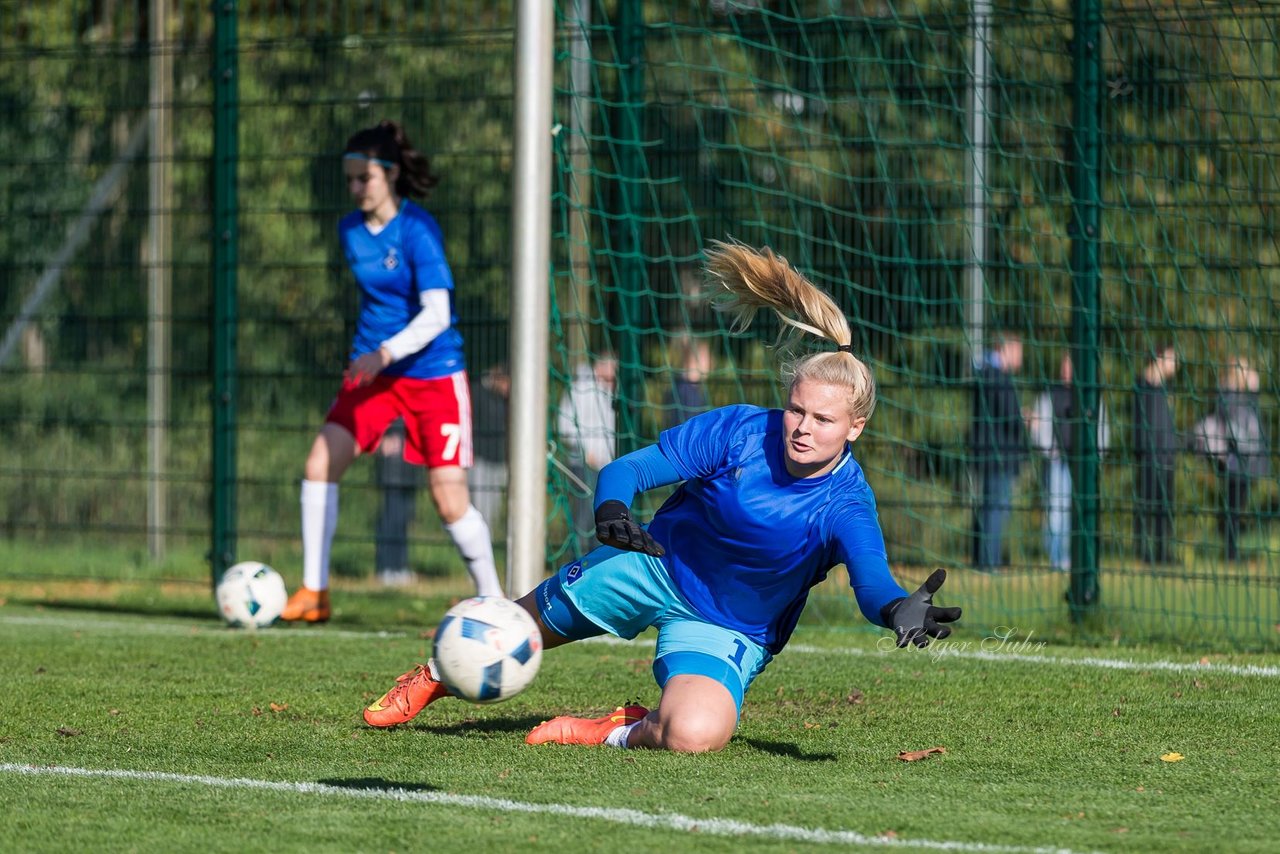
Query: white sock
{"x": 319, "y": 521}
{"x": 471, "y": 536}
{"x": 618, "y": 737}
{"x": 432, "y": 669}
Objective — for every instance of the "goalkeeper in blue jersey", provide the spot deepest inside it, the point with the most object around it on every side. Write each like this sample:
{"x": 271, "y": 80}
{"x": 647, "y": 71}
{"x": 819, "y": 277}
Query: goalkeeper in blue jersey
{"x": 769, "y": 501}
{"x": 406, "y": 362}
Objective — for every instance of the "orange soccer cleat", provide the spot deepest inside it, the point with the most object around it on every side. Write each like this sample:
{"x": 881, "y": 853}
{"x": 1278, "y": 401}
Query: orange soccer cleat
{"x": 567, "y": 730}
{"x": 413, "y": 692}
{"x": 307, "y": 605}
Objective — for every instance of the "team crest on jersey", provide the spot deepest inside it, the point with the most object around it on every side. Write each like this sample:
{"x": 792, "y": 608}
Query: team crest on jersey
{"x": 392, "y": 261}
{"x": 574, "y": 572}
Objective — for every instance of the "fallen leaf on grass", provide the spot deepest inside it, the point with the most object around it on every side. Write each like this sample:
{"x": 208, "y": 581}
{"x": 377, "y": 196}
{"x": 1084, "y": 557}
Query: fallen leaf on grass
{"x": 67, "y": 732}
{"x": 279, "y": 707}
{"x": 1172, "y": 757}
{"x": 913, "y": 755}
{"x": 855, "y": 697}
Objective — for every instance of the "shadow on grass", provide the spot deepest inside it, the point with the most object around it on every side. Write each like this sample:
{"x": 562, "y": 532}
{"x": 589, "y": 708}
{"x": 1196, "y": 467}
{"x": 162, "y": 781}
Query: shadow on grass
{"x": 789, "y": 750}
{"x": 207, "y": 615}
{"x": 377, "y": 784}
{"x": 488, "y": 726}
{"x": 137, "y": 609}
{"x": 479, "y": 726}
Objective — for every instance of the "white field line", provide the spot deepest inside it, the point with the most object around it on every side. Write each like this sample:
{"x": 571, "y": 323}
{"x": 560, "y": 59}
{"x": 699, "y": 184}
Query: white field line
{"x": 942, "y": 653}
{"x": 614, "y": 815}
{"x": 1087, "y": 661}
{"x": 991, "y": 649}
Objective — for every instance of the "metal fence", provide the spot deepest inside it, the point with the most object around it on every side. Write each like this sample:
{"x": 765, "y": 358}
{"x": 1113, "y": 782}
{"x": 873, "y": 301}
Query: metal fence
{"x": 1099, "y": 178}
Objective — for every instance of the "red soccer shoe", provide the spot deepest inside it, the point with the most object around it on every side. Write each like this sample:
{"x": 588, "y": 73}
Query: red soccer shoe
{"x": 567, "y": 730}
{"x": 413, "y": 692}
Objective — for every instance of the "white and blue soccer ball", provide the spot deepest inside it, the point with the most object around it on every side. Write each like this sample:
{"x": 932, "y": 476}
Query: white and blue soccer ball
{"x": 487, "y": 649}
{"x": 251, "y": 595}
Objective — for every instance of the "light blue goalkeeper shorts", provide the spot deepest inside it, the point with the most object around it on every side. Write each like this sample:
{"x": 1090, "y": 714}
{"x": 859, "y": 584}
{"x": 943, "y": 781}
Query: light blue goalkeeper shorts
{"x": 623, "y": 593}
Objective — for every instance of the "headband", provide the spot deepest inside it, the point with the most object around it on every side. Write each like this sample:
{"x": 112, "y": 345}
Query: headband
{"x": 355, "y": 155}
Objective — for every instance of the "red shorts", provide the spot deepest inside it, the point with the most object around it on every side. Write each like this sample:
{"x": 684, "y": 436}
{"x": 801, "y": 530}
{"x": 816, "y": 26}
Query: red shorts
{"x": 436, "y": 412}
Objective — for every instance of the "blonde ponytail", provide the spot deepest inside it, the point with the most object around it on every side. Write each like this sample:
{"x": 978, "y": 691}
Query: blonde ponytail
{"x": 760, "y": 278}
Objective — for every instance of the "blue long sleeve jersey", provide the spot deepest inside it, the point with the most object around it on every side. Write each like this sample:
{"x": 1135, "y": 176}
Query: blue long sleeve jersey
{"x": 393, "y": 268}
{"x": 745, "y": 540}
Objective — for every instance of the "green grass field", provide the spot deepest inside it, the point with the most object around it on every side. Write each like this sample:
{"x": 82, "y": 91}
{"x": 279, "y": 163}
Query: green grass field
{"x": 134, "y": 721}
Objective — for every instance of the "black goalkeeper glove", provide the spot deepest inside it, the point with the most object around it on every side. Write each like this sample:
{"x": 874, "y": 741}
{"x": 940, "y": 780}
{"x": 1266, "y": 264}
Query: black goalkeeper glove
{"x": 615, "y": 527}
{"x": 916, "y": 619}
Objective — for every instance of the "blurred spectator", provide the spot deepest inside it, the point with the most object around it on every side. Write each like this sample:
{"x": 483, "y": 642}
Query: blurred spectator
{"x": 487, "y": 477}
{"x": 1052, "y": 432}
{"x": 1155, "y": 447}
{"x": 998, "y": 441}
{"x": 688, "y": 393}
{"x": 1234, "y": 439}
{"x": 587, "y": 426}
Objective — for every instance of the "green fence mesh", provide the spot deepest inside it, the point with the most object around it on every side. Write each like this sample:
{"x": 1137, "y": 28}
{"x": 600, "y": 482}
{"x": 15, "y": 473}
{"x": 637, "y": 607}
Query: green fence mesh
{"x": 931, "y": 187}
{"x": 81, "y": 421}
{"x": 845, "y": 137}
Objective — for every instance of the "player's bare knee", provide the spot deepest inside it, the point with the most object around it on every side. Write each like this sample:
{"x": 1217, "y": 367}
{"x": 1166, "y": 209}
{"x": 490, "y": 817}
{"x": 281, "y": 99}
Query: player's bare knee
{"x": 693, "y": 733}
{"x": 317, "y": 466}
{"x": 449, "y": 494}
{"x": 332, "y": 451}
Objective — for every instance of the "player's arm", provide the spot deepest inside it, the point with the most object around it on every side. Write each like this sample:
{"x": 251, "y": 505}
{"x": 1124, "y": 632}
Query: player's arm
{"x": 433, "y": 317}
{"x": 860, "y": 546}
{"x": 697, "y": 448}
{"x": 617, "y": 486}
{"x": 433, "y": 281}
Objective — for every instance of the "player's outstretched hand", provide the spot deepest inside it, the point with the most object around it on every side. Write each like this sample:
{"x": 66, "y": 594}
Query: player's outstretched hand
{"x": 615, "y": 527}
{"x": 916, "y": 619}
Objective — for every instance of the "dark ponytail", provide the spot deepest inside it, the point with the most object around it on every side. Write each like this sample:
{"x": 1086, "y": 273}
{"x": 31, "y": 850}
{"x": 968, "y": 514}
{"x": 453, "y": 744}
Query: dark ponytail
{"x": 387, "y": 143}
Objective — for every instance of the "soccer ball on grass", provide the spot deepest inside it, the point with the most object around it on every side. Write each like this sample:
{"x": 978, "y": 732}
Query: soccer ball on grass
{"x": 251, "y": 595}
{"x": 487, "y": 649}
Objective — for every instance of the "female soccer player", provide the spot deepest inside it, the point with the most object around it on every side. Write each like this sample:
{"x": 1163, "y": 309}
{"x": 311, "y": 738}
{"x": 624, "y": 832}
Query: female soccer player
{"x": 406, "y": 361}
{"x": 771, "y": 500}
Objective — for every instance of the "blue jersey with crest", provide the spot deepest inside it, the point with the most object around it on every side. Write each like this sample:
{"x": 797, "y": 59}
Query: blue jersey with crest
{"x": 393, "y": 267}
{"x": 745, "y": 540}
